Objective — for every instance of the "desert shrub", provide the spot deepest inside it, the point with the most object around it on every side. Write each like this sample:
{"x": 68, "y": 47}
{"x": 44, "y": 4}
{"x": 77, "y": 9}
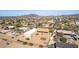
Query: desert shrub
{"x": 4, "y": 39}
{"x": 27, "y": 38}
{"x": 12, "y": 37}
{"x": 37, "y": 34}
{"x": 40, "y": 46}
{"x": 24, "y": 43}
{"x": 31, "y": 44}
{"x": 19, "y": 41}
{"x": 7, "y": 43}
{"x": 42, "y": 38}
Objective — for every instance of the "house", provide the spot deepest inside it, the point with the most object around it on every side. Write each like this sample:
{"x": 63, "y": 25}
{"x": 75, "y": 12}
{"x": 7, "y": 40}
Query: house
{"x": 75, "y": 36}
{"x": 11, "y": 27}
{"x": 65, "y": 32}
{"x": 77, "y": 23}
{"x": 23, "y": 28}
{"x": 4, "y": 31}
{"x": 30, "y": 33}
{"x": 62, "y": 45}
{"x": 46, "y": 25}
{"x": 43, "y": 30}
{"x": 65, "y": 45}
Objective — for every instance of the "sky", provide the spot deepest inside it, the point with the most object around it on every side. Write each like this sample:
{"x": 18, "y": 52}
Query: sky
{"x": 38, "y": 12}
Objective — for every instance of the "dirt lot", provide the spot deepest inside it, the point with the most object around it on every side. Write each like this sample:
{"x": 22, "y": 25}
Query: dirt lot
{"x": 38, "y": 40}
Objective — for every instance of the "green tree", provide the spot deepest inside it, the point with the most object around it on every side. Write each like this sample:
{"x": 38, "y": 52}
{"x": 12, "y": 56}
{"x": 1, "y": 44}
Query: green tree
{"x": 50, "y": 30}
{"x": 62, "y": 39}
{"x": 39, "y": 24}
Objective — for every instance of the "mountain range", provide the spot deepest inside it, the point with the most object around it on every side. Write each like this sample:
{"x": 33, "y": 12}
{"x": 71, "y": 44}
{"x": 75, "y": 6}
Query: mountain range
{"x": 31, "y": 15}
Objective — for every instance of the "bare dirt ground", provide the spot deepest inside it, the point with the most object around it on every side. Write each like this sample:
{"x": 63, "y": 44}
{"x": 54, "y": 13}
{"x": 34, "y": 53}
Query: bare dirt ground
{"x": 7, "y": 41}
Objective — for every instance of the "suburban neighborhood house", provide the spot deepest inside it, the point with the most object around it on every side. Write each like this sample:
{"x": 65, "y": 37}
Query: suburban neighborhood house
{"x": 65, "y": 32}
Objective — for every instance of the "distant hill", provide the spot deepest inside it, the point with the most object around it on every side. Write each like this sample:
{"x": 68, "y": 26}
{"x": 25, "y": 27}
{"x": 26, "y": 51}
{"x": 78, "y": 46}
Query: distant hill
{"x": 71, "y": 15}
{"x": 31, "y": 15}
{"x": 22, "y": 16}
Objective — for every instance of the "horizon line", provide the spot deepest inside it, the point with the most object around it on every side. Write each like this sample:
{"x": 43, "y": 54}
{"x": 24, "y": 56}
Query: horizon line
{"x": 38, "y": 15}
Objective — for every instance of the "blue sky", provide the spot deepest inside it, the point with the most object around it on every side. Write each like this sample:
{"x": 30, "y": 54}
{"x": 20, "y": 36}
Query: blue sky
{"x": 39, "y": 12}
